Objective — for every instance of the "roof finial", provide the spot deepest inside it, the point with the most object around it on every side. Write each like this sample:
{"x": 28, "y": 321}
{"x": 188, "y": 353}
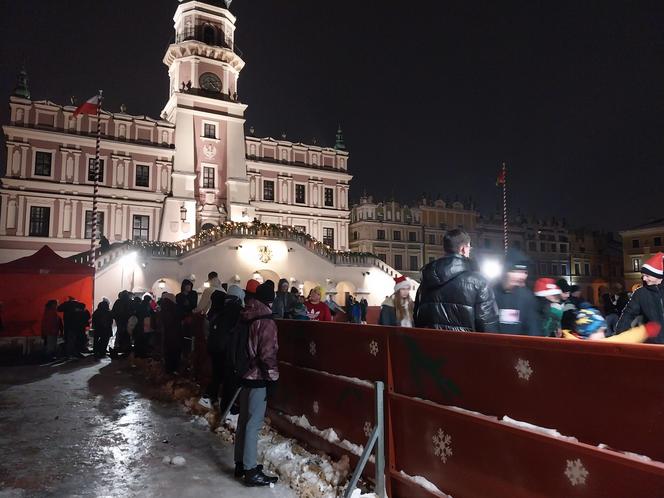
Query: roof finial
{"x": 340, "y": 145}
{"x": 21, "y": 89}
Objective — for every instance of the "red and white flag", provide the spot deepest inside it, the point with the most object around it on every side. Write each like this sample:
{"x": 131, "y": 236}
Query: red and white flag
{"x": 88, "y": 107}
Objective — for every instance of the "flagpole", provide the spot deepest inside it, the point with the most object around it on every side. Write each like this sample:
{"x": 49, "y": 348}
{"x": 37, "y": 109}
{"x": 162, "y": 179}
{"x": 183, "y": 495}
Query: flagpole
{"x": 505, "y": 206}
{"x": 95, "y": 192}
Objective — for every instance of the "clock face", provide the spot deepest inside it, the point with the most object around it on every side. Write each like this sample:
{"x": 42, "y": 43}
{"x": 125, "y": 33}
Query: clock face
{"x": 210, "y": 82}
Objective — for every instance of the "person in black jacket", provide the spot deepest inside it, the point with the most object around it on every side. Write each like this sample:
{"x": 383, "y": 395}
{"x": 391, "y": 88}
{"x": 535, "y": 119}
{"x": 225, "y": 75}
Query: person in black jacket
{"x": 102, "y": 325}
{"x": 187, "y": 301}
{"x": 453, "y": 295}
{"x": 648, "y": 301}
{"x": 517, "y": 306}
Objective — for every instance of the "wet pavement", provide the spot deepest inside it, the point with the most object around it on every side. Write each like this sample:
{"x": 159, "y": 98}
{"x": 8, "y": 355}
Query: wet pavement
{"x": 90, "y": 429}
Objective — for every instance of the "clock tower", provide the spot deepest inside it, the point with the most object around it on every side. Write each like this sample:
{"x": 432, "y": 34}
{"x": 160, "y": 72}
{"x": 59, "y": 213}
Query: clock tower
{"x": 209, "y": 179}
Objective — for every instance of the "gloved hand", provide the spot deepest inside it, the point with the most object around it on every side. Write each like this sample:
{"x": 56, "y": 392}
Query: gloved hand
{"x": 652, "y": 329}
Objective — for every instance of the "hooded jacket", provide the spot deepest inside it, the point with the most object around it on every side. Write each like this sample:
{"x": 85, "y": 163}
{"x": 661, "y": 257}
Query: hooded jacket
{"x": 186, "y": 302}
{"x": 51, "y": 325}
{"x": 284, "y": 302}
{"x": 262, "y": 344}
{"x": 453, "y": 296}
{"x": 102, "y": 320}
{"x": 647, "y": 301}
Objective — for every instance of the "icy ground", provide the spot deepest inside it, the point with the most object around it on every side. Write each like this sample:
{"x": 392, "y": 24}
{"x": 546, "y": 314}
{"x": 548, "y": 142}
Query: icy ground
{"x": 87, "y": 429}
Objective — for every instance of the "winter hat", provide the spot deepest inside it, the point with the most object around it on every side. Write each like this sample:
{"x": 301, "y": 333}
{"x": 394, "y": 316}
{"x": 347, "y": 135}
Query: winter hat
{"x": 562, "y": 283}
{"x": 515, "y": 260}
{"x": 653, "y": 266}
{"x": 168, "y": 296}
{"x": 401, "y": 283}
{"x": 588, "y": 321}
{"x": 265, "y": 292}
{"x": 234, "y": 290}
{"x": 251, "y": 286}
{"x": 546, "y": 287}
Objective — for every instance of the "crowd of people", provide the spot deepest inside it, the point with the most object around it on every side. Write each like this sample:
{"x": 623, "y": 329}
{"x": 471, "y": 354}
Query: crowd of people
{"x": 454, "y": 295}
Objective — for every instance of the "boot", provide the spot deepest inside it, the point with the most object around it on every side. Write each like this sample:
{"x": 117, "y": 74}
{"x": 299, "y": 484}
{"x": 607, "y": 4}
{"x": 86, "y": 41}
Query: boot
{"x": 239, "y": 469}
{"x": 255, "y": 477}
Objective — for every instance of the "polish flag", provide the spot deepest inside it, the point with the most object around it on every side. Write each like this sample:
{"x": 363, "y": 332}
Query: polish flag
{"x": 89, "y": 107}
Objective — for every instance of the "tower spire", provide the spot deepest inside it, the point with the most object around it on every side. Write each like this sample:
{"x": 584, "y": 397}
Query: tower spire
{"x": 340, "y": 145}
{"x": 21, "y": 89}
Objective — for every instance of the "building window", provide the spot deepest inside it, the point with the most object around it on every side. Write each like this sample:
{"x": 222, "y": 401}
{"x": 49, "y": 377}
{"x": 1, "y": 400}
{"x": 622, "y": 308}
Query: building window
{"x": 329, "y": 197}
{"x": 577, "y": 269}
{"x": 43, "y": 163}
{"x": 328, "y": 236}
{"x": 586, "y": 269}
{"x": 300, "y": 196}
{"x": 412, "y": 236}
{"x": 398, "y": 261}
{"x": 432, "y": 238}
{"x": 382, "y": 257}
{"x": 636, "y": 243}
{"x": 542, "y": 247}
{"x": 554, "y": 269}
{"x": 268, "y": 190}
{"x": 563, "y": 269}
{"x": 39, "y": 221}
{"x": 532, "y": 246}
{"x": 563, "y": 247}
{"x": 356, "y": 235}
{"x": 88, "y": 224}
{"x": 636, "y": 264}
{"x": 657, "y": 241}
{"x": 142, "y": 175}
{"x": 208, "y": 177}
{"x": 380, "y": 235}
{"x": 209, "y": 130}
{"x": 141, "y": 227}
{"x": 414, "y": 265}
{"x": 396, "y": 235}
{"x": 554, "y": 247}
{"x": 543, "y": 269}
{"x": 91, "y": 170}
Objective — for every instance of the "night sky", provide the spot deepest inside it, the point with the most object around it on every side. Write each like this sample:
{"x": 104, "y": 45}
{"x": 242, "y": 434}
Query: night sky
{"x": 432, "y": 96}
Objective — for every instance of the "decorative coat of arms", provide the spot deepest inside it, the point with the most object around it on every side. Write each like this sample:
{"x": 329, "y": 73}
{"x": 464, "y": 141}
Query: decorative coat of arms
{"x": 264, "y": 254}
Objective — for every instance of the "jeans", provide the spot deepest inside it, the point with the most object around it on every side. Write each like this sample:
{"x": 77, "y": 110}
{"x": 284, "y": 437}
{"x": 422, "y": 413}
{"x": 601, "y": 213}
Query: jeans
{"x": 253, "y": 402}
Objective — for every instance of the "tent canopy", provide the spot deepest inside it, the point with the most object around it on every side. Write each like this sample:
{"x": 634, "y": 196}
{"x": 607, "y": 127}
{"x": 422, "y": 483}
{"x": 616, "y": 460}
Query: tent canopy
{"x": 45, "y": 262}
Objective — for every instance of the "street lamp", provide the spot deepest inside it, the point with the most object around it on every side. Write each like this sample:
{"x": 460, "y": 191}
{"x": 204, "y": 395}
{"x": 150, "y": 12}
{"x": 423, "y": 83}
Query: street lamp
{"x": 183, "y": 213}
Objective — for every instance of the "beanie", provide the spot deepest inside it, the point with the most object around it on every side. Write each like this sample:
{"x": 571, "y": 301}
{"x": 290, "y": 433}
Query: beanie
{"x": 265, "y": 292}
{"x": 251, "y": 286}
{"x": 562, "y": 283}
{"x": 516, "y": 260}
{"x": 588, "y": 321}
{"x": 653, "y": 266}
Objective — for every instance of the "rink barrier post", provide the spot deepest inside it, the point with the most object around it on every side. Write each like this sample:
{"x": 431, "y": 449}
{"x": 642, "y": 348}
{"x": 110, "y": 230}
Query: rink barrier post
{"x": 376, "y": 442}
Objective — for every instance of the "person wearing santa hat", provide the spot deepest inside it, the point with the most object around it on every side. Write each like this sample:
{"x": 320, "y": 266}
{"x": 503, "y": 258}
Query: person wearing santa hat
{"x": 551, "y": 311}
{"x": 397, "y": 309}
{"x": 647, "y": 301}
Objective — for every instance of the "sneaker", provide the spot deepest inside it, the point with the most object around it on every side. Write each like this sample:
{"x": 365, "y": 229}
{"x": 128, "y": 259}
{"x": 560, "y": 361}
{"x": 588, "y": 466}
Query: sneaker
{"x": 255, "y": 477}
{"x": 205, "y": 403}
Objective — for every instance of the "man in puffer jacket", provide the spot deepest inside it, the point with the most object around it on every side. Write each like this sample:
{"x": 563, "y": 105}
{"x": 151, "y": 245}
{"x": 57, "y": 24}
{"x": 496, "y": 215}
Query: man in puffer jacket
{"x": 263, "y": 373}
{"x": 453, "y": 295}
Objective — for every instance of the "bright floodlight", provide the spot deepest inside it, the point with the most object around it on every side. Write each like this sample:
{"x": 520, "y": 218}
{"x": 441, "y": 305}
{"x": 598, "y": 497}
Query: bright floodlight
{"x": 491, "y": 269}
{"x": 128, "y": 260}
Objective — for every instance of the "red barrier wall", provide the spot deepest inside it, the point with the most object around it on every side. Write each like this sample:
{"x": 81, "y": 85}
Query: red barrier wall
{"x": 596, "y": 392}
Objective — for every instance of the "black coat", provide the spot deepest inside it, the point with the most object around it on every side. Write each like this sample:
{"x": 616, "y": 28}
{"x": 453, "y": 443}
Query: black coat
{"x": 648, "y": 302}
{"x": 518, "y": 311}
{"x": 453, "y": 296}
{"x": 222, "y": 320}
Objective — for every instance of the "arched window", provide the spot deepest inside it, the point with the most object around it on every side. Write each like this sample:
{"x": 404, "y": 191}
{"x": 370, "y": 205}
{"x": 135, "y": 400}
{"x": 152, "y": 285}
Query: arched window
{"x": 209, "y": 34}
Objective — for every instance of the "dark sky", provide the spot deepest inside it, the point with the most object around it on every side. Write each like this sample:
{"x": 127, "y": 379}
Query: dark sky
{"x": 432, "y": 95}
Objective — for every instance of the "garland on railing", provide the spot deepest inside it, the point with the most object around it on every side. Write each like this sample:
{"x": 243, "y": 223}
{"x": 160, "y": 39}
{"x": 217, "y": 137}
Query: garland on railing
{"x": 252, "y": 228}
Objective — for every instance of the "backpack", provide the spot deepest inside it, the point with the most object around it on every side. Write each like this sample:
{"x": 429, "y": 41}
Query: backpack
{"x": 237, "y": 354}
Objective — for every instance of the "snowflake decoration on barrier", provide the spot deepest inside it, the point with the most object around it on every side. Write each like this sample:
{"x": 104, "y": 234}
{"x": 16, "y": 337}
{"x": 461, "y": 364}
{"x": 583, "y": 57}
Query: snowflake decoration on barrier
{"x": 576, "y": 472}
{"x": 312, "y": 348}
{"x": 316, "y": 407}
{"x": 368, "y": 429}
{"x": 442, "y": 445}
{"x": 373, "y": 348}
{"x": 523, "y": 369}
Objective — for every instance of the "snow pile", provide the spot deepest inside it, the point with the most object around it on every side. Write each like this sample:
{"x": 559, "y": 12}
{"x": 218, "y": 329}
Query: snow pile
{"x": 178, "y": 461}
{"x": 536, "y": 428}
{"x": 354, "y": 380}
{"x": 426, "y": 484}
{"x": 636, "y": 456}
{"x": 328, "y": 435}
{"x": 358, "y": 494}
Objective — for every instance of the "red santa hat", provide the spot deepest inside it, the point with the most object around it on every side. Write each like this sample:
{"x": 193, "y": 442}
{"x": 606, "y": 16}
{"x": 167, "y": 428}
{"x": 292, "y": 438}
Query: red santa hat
{"x": 546, "y": 287}
{"x": 653, "y": 266}
{"x": 401, "y": 283}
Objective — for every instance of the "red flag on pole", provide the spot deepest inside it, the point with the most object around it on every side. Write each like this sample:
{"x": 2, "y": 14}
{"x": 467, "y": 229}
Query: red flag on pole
{"x": 88, "y": 107}
{"x": 501, "y": 178}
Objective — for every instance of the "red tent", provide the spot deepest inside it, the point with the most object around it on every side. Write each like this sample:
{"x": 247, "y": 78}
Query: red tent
{"x": 28, "y": 283}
